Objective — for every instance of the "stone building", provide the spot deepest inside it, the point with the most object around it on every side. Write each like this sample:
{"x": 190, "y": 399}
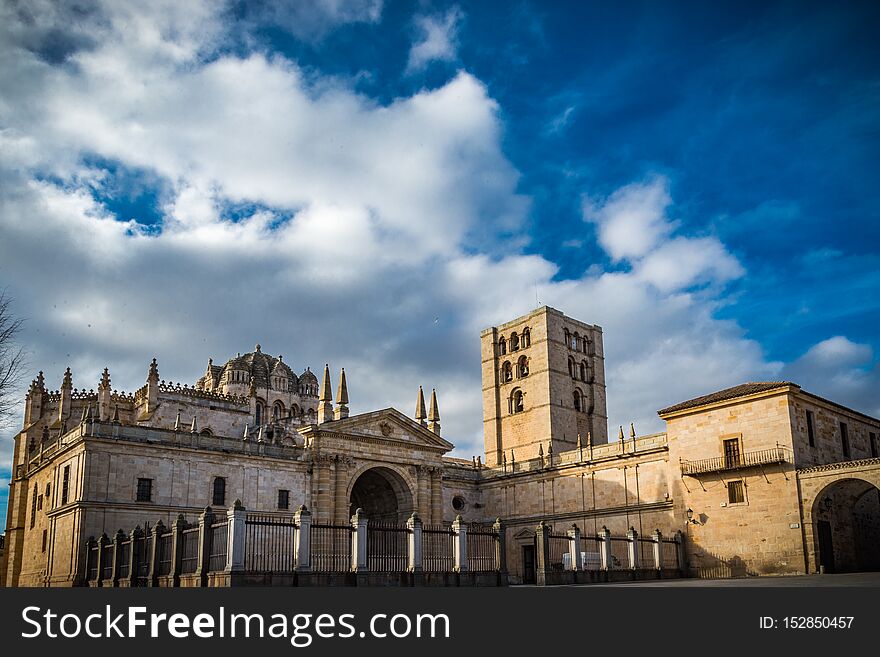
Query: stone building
{"x": 761, "y": 478}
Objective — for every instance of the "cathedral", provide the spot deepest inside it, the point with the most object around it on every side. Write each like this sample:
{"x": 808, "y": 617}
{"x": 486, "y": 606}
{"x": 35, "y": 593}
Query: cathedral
{"x": 762, "y": 478}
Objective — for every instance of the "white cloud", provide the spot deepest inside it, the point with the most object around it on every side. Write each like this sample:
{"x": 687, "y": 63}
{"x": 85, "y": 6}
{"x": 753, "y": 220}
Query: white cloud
{"x": 313, "y": 20}
{"x": 438, "y": 39}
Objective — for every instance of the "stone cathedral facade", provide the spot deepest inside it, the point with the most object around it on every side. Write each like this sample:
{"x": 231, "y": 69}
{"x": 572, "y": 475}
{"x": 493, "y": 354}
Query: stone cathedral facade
{"x": 761, "y": 478}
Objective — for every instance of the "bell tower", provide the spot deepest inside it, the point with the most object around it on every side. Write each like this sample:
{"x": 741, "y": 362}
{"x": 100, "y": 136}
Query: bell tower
{"x": 543, "y": 383}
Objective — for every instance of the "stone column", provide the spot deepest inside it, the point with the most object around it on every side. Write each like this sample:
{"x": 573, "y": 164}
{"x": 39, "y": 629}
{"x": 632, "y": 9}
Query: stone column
{"x": 177, "y": 529}
{"x": 574, "y": 548}
{"x": 206, "y": 519}
{"x": 500, "y": 547}
{"x": 679, "y": 551}
{"x": 102, "y": 542}
{"x": 436, "y": 496}
{"x": 459, "y": 545}
{"x": 359, "y": 542}
{"x": 341, "y": 503}
{"x": 134, "y": 563}
{"x": 414, "y": 543}
{"x": 302, "y": 543}
{"x": 542, "y": 553}
{"x": 235, "y": 537}
{"x": 153, "y": 574}
{"x": 118, "y": 539}
{"x": 605, "y": 547}
{"x": 633, "y": 537}
{"x": 658, "y": 549}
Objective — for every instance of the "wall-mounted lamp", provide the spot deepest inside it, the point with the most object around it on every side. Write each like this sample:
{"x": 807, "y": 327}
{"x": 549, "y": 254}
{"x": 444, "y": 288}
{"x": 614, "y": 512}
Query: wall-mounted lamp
{"x": 690, "y": 514}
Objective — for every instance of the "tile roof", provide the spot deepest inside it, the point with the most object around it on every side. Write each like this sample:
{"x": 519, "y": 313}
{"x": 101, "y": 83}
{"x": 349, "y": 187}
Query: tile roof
{"x": 728, "y": 393}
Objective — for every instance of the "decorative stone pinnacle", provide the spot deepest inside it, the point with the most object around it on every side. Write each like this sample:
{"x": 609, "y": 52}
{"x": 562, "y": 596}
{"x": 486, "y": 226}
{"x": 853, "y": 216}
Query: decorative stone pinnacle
{"x": 434, "y": 410}
{"x": 421, "y": 414}
{"x": 326, "y": 394}
{"x": 342, "y": 392}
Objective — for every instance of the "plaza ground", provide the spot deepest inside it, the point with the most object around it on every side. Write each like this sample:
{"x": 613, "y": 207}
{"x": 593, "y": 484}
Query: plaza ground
{"x": 809, "y": 581}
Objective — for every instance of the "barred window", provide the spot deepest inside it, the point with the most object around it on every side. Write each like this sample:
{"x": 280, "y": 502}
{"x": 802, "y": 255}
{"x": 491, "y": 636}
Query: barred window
{"x": 144, "y": 490}
{"x": 283, "y": 499}
{"x": 735, "y": 493}
{"x": 219, "y": 498}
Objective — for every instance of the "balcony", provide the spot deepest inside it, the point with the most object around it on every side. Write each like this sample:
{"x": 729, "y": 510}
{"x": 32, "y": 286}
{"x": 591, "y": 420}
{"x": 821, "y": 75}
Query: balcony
{"x": 778, "y": 454}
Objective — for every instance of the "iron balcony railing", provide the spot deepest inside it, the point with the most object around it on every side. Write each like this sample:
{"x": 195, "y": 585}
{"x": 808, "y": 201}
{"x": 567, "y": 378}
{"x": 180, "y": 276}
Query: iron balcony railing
{"x": 777, "y": 454}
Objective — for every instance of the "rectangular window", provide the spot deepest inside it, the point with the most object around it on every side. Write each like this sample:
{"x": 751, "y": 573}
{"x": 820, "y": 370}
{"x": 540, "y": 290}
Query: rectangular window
{"x": 283, "y": 499}
{"x": 65, "y": 484}
{"x": 144, "y": 490}
{"x": 219, "y": 497}
{"x": 735, "y": 493}
{"x": 44, "y": 540}
{"x": 844, "y": 439}
{"x": 39, "y": 503}
{"x": 873, "y": 441}
{"x": 49, "y": 495}
{"x": 811, "y": 436}
{"x": 731, "y": 453}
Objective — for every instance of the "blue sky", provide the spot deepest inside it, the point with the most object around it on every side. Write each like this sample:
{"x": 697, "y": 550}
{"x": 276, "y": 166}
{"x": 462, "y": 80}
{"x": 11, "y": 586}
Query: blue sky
{"x": 370, "y": 183}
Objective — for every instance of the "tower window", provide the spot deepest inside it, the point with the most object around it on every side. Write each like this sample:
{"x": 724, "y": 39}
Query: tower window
{"x": 523, "y": 366}
{"x": 277, "y": 411}
{"x": 583, "y": 372}
{"x": 577, "y": 401}
{"x": 516, "y": 402}
{"x": 34, "y": 507}
{"x": 144, "y": 490}
{"x": 219, "y": 496}
{"x": 811, "y": 436}
{"x": 571, "y": 367}
{"x": 258, "y": 414}
{"x": 514, "y": 342}
{"x": 506, "y": 372}
{"x": 526, "y": 338}
{"x": 502, "y": 346}
{"x": 844, "y": 439}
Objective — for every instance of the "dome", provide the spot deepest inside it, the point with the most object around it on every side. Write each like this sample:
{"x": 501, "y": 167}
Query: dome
{"x": 308, "y": 377}
{"x": 260, "y": 366}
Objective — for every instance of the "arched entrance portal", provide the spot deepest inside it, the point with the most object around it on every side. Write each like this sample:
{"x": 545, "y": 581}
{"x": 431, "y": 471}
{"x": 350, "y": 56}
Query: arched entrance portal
{"x": 846, "y": 526}
{"x": 383, "y": 495}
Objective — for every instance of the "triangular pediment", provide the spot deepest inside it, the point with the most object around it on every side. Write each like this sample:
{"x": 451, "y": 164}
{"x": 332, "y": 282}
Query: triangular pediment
{"x": 389, "y": 425}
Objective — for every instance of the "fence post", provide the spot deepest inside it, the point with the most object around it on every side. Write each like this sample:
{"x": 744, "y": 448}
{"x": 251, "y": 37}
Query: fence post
{"x": 81, "y": 577}
{"x": 235, "y": 517}
{"x": 414, "y": 543}
{"x": 102, "y": 541}
{"x": 302, "y": 543}
{"x": 633, "y": 537}
{"x": 500, "y": 547}
{"x": 153, "y": 575}
{"x": 117, "y": 556}
{"x": 132, "y": 551}
{"x": 459, "y": 545}
{"x": 359, "y": 541}
{"x": 605, "y": 549}
{"x": 177, "y": 529}
{"x": 574, "y": 548}
{"x": 206, "y": 519}
{"x": 658, "y": 549}
{"x": 542, "y": 553}
{"x": 679, "y": 551}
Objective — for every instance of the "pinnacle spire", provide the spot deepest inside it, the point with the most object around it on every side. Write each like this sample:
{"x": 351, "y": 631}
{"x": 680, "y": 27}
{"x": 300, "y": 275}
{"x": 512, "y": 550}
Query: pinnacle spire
{"x": 434, "y": 410}
{"x": 326, "y": 393}
{"x": 632, "y": 430}
{"x": 421, "y": 414}
{"x": 68, "y": 379}
{"x": 620, "y": 434}
{"x": 154, "y": 371}
{"x": 105, "y": 380}
{"x": 342, "y": 392}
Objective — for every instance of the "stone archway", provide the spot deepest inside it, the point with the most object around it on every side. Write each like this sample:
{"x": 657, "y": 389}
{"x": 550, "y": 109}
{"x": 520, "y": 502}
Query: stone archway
{"x": 383, "y": 494}
{"x": 845, "y": 517}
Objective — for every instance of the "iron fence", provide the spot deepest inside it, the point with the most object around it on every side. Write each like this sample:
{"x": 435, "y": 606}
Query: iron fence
{"x": 190, "y": 560}
{"x": 591, "y": 552}
{"x": 559, "y": 546}
{"x": 481, "y": 550}
{"x": 330, "y": 548}
{"x": 745, "y": 460}
{"x": 619, "y": 553}
{"x": 93, "y": 563}
{"x": 218, "y": 542}
{"x": 386, "y": 547}
{"x": 437, "y": 549}
{"x": 124, "y": 558}
{"x": 107, "y": 561}
{"x": 646, "y": 552}
{"x": 668, "y": 554}
{"x": 143, "y": 548}
{"x": 165, "y": 549}
{"x": 270, "y": 543}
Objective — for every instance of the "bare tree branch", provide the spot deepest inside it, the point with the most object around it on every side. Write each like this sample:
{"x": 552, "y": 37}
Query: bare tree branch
{"x": 11, "y": 359}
